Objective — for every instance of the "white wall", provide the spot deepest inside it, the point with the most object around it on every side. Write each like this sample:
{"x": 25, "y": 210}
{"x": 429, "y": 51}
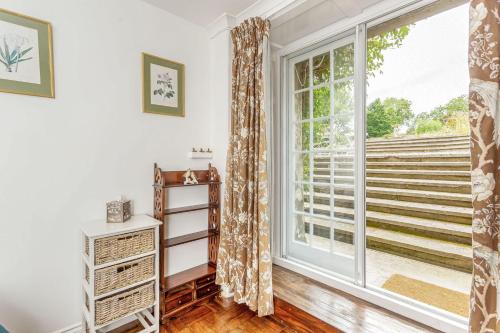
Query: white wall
{"x": 220, "y": 77}
{"x": 62, "y": 159}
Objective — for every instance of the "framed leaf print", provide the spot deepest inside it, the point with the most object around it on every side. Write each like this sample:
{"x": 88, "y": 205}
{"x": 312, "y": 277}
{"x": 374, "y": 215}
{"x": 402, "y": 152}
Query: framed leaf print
{"x": 163, "y": 86}
{"x": 26, "y": 64}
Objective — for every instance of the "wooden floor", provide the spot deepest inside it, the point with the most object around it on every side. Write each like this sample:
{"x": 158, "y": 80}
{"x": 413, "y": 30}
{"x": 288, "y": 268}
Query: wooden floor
{"x": 338, "y": 309}
{"x": 213, "y": 317}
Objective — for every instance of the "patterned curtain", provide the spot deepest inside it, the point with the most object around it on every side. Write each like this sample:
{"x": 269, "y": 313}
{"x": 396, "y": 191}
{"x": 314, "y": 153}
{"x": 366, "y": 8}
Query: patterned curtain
{"x": 484, "y": 108}
{"x": 244, "y": 261}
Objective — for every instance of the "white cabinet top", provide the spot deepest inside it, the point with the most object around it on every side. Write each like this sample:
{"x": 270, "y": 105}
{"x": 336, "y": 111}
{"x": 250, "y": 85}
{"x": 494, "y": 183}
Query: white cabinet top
{"x": 99, "y": 228}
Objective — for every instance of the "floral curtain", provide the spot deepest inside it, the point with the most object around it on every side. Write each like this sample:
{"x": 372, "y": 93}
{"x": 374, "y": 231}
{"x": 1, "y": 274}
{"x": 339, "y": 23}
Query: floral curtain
{"x": 244, "y": 261}
{"x": 484, "y": 108}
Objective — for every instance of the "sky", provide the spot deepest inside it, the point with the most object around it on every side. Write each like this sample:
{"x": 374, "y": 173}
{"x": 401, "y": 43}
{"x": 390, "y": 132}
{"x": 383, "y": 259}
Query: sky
{"x": 430, "y": 68}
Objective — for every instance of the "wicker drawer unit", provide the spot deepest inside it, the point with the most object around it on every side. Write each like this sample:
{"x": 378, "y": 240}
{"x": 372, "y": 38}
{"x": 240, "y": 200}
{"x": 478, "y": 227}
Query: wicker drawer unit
{"x": 121, "y": 273}
{"x": 108, "y": 249}
{"x": 122, "y": 304}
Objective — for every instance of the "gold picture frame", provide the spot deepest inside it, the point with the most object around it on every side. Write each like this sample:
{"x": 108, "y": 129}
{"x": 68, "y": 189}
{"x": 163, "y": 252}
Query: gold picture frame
{"x": 163, "y": 86}
{"x": 26, "y": 55}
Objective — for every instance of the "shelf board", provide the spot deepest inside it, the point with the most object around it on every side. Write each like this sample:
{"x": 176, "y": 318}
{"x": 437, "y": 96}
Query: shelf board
{"x": 169, "y": 242}
{"x": 186, "y": 209}
{"x": 182, "y": 184}
{"x": 176, "y": 280}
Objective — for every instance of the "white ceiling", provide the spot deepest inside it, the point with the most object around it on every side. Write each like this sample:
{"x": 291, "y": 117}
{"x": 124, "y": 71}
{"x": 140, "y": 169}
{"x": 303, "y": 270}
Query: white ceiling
{"x": 313, "y": 15}
{"x": 202, "y": 12}
{"x": 301, "y": 19}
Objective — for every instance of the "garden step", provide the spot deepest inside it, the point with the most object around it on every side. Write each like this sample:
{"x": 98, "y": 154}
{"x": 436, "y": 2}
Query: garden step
{"x": 418, "y": 144}
{"x": 420, "y": 174}
{"x": 371, "y": 150}
{"x": 428, "y": 139}
{"x": 462, "y": 166}
{"x": 402, "y": 183}
{"x": 453, "y": 214}
{"x": 451, "y": 156}
{"x": 322, "y": 195}
{"x": 448, "y": 231}
{"x": 434, "y": 251}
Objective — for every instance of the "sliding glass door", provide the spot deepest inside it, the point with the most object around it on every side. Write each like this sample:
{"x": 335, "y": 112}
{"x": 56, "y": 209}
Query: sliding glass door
{"x": 378, "y": 158}
{"x": 322, "y": 146}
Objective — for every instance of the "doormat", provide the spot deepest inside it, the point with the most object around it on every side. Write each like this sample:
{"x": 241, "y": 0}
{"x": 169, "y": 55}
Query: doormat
{"x": 444, "y": 298}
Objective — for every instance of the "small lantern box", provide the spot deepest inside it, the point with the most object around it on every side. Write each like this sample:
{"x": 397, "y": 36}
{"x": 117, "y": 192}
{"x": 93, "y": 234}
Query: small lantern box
{"x": 118, "y": 211}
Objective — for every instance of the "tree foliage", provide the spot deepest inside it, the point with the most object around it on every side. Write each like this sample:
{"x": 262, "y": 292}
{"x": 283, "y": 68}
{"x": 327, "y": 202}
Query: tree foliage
{"x": 452, "y": 117}
{"x": 385, "y": 118}
{"x": 382, "y": 42}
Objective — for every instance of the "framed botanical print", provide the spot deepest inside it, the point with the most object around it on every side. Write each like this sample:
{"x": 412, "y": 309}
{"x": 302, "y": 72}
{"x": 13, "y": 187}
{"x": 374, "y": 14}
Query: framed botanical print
{"x": 163, "y": 86}
{"x": 26, "y": 64}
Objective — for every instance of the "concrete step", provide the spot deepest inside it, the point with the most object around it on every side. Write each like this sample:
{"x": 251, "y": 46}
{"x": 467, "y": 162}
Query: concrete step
{"x": 411, "y": 148}
{"x": 401, "y": 183}
{"x": 412, "y": 174}
{"x": 448, "y": 231}
{"x": 428, "y": 139}
{"x": 458, "y": 166}
{"x": 322, "y": 195}
{"x": 462, "y": 166}
{"x": 449, "y": 156}
{"x": 452, "y": 232}
{"x": 452, "y": 214}
{"x": 382, "y": 145}
{"x": 434, "y": 251}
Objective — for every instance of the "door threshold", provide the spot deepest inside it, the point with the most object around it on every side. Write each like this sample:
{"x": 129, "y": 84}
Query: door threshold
{"x": 408, "y": 308}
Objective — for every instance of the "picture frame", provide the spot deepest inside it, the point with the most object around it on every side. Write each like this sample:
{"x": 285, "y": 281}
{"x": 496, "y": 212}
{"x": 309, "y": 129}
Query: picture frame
{"x": 26, "y": 55}
{"x": 162, "y": 86}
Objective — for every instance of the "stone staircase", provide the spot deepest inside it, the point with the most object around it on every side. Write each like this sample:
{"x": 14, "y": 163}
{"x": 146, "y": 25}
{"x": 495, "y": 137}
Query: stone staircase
{"x": 418, "y": 198}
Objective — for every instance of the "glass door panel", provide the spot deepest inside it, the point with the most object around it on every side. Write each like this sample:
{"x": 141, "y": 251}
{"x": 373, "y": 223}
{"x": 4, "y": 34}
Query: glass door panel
{"x": 321, "y": 224}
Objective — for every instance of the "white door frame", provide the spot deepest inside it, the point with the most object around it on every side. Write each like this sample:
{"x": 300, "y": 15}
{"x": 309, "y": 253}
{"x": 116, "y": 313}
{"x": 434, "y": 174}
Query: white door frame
{"x": 423, "y": 313}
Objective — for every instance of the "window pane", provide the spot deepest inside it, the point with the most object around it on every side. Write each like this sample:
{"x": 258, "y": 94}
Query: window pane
{"x": 343, "y": 97}
{"x": 302, "y": 106}
{"x": 300, "y": 232}
{"x": 302, "y": 197}
{"x": 321, "y": 100}
{"x": 302, "y": 75}
{"x": 302, "y": 167}
{"x": 321, "y": 134}
{"x": 343, "y": 60}
{"x": 321, "y": 68}
{"x": 321, "y": 196}
{"x": 343, "y": 129}
{"x": 302, "y": 136}
{"x": 321, "y": 161}
{"x": 320, "y": 238}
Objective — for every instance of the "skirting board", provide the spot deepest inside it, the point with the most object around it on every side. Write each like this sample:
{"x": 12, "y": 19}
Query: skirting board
{"x": 75, "y": 328}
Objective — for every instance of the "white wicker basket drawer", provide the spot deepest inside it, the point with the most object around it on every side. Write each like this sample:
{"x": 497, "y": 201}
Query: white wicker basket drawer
{"x": 108, "y": 249}
{"x": 125, "y": 303}
{"x": 121, "y": 275}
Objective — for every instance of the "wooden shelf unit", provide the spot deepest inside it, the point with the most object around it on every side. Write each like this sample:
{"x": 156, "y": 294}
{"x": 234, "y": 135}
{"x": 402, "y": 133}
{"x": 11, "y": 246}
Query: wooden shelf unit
{"x": 181, "y": 291}
{"x": 187, "y": 209}
{"x": 169, "y": 242}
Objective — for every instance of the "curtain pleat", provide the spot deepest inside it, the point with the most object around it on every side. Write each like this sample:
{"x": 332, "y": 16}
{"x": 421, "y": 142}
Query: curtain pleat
{"x": 244, "y": 261}
{"x": 484, "y": 55}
